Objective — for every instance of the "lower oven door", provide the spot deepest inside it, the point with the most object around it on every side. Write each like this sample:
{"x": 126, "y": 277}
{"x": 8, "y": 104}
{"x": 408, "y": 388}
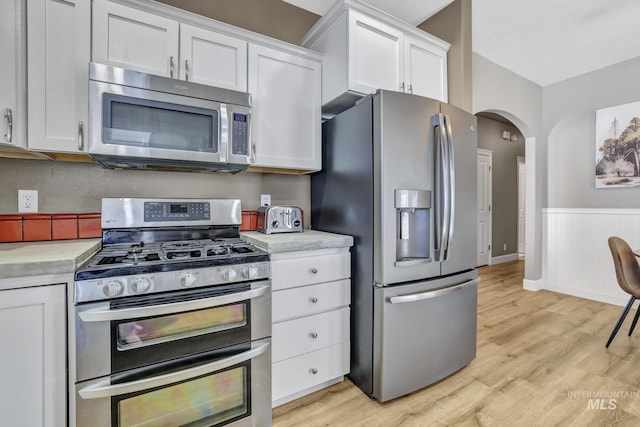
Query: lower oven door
{"x": 120, "y": 335}
{"x": 229, "y": 386}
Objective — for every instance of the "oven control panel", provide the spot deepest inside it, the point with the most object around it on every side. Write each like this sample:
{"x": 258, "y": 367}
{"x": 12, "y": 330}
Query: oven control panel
{"x": 178, "y": 211}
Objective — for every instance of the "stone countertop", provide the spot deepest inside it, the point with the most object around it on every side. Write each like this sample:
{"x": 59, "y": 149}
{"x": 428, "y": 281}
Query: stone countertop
{"x": 291, "y": 242}
{"x": 48, "y": 257}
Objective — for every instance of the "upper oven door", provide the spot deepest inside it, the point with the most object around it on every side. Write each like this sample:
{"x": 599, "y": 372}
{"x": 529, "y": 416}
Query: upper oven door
{"x": 118, "y": 335}
{"x": 140, "y": 123}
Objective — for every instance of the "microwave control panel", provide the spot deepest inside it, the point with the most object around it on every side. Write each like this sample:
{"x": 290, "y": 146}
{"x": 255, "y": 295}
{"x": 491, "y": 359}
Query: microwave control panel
{"x": 240, "y": 134}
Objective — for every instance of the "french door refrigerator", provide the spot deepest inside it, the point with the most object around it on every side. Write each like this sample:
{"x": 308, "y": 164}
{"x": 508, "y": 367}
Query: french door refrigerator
{"x": 399, "y": 175}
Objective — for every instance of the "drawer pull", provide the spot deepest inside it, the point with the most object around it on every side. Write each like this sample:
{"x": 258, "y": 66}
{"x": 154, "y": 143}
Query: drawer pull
{"x": 314, "y": 270}
{"x": 314, "y": 370}
{"x": 313, "y": 300}
{"x": 313, "y": 335}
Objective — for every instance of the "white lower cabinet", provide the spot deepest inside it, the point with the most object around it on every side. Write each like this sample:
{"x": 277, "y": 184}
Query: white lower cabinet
{"x": 310, "y": 313}
{"x": 33, "y": 356}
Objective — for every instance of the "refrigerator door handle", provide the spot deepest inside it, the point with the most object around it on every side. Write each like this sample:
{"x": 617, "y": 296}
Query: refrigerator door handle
{"x": 452, "y": 185}
{"x": 401, "y": 299}
{"x": 441, "y": 182}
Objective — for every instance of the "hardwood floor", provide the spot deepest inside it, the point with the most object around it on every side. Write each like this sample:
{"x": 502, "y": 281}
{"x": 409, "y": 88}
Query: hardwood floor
{"x": 541, "y": 361}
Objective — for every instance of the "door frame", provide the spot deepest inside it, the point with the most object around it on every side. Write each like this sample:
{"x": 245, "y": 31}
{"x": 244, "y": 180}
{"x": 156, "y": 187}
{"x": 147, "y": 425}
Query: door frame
{"x": 522, "y": 195}
{"x": 489, "y": 191}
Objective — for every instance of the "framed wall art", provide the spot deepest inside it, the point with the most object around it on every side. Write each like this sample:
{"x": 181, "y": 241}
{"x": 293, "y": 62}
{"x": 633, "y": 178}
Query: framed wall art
{"x": 618, "y": 146}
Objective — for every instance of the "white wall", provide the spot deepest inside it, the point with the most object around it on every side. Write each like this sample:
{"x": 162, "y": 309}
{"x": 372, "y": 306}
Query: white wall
{"x": 501, "y": 91}
{"x": 569, "y": 112}
{"x": 579, "y": 218}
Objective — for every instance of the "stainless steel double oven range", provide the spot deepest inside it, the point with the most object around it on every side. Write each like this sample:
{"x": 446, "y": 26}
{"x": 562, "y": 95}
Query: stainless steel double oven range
{"x": 171, "y": 320}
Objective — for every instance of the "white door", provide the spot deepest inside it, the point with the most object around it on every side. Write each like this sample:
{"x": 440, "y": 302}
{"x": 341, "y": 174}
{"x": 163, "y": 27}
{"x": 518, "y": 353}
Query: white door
{"x": 484, "y": 206}
{"x": 212, "y": 58}
{"x": 425, "y": 69}
{"x": 521, "y": 204}
{"x": 130, "y": 38}
{"x": 58, "y": 34}
{"x": 286, "y": 110}
{"x": 375, "y": 55}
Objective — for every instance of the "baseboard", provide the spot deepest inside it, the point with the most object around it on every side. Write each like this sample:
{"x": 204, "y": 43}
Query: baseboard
{"x": 504, "y": 258}
{"x": 532, "y": 285}
{"x": 595, "y": 296}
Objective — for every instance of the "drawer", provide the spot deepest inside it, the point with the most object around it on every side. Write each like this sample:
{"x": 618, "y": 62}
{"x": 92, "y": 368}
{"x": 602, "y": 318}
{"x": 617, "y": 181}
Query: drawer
{"x": 300, "y": 373}
{"x": 288, "y": 273}
{"x": 307, "y": 334}
{"x": 295, "y": 302}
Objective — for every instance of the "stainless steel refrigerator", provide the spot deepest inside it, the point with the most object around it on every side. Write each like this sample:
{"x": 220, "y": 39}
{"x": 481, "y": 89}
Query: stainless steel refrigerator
{"x": 399, "y": 175}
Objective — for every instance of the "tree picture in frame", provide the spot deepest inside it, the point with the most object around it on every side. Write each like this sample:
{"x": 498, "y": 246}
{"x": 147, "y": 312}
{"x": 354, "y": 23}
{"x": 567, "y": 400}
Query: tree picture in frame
{"x": 618, "y": 146}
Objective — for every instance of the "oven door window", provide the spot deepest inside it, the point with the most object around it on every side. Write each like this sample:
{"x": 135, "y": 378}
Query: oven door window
{"x": 212, "y": 400}
{"x": 181, "y": 325}
{"x": 154, "y": 124}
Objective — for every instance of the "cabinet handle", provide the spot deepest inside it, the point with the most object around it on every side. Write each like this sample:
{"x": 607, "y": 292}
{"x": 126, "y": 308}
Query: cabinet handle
{"x": 314, "y": 270}
{"x": 314, "y": 370}
{"x": 80, "y": 136}
{"x": 186, "y": 69}
{"x": 172, "y": 66}
{"x": 253, "y": 152}
{"x": 410, "y": 88}
{"x": 313, "y": 300}
{"x": 313, "y": 335}
{"x": 9, "y": 116}
{"x": 401, "y": 86}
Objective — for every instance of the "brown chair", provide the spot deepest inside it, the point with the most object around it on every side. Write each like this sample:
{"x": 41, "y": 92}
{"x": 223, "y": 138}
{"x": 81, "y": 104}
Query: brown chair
{"x": 628, "y": 275}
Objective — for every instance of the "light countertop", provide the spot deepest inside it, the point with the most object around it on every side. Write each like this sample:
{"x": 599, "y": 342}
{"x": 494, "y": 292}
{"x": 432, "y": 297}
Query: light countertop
{"x": 290, "y": 242}
{"x": 50, "y": 257}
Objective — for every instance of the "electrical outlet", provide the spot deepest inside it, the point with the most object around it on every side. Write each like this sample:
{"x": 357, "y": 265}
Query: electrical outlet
{"x": 27, "y": 201}
{"x": 265, "y": 200}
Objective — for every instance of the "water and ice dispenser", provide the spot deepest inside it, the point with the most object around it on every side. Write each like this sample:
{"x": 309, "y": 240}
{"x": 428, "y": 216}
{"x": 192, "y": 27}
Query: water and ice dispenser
{"x": 413, "y": 211}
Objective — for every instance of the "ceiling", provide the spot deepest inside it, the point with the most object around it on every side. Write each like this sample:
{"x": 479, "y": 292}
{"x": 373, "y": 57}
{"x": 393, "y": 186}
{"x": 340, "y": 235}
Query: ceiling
{"x": 545, "y": 41}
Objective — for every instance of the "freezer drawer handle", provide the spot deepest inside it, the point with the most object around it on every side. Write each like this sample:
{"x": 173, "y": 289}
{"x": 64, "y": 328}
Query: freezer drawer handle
{"x": 101, "y": 315}
{"x": 400, "y": 299}
{"x": 104, "y": 389}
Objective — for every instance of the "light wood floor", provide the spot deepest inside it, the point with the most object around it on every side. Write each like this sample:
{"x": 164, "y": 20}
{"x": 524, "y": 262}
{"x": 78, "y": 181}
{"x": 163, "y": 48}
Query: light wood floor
{"x": 534, "y": 349}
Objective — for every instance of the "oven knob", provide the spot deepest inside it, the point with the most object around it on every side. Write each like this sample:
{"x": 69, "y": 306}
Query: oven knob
{"x": 249, "y": 272}
{"x": 228, "y": 274}
{"x": 113, "y": 288}
{"x": 188, "y": 279}
{"x": 140, "y": 285}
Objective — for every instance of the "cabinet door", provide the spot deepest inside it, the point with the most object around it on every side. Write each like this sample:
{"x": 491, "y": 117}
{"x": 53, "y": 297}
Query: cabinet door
{"x": 33, "y": 372}
{"x": 12, "y": 81}
{"x": 58, "y": 34}
{"x": 425, "y": 69}
{"x": 212, "y": 58}
{"x": 375, "y": 55}
{"x": 286, "y": 110}
{"x": 130, "y": 38}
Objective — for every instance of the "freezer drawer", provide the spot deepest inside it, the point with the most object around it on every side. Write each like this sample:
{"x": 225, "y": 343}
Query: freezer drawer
{"x": 424, "y": 332}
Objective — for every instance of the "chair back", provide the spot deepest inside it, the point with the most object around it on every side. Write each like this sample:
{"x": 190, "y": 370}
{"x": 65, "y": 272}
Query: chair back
{"x": 626, "y": 264}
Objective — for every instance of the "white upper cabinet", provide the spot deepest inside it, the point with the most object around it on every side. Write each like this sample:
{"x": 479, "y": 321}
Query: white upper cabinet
{"x": 212, "y": 58}
{"x": 138, "y": 40}
{"x": 12, "y": 71}
{"x": 365, "y": 50}
{"x": 58, "y": 35}
{"x": 375, "y": 54}
{"x": 134, "y": 39}
{"x": 286, "y": 124}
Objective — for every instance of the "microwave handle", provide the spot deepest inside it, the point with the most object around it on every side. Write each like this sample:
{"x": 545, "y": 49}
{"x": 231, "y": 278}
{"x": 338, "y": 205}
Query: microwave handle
{"x": 102, "y": 389}
{"x": 101, "y": 315}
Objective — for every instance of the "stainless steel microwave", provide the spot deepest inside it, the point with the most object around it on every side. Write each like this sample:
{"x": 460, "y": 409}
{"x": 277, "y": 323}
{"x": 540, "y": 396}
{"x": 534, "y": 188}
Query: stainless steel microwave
{"x": 144, "y": 121}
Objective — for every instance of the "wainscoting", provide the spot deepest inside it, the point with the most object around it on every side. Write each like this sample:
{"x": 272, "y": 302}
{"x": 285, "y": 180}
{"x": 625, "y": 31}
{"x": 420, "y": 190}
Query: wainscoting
{"x": 576, "y": 257}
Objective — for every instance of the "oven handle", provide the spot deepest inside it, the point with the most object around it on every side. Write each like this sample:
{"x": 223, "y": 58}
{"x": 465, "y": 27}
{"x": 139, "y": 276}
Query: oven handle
{"x": 103, "y": 388}
{"x": 101, "y": 315}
